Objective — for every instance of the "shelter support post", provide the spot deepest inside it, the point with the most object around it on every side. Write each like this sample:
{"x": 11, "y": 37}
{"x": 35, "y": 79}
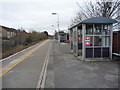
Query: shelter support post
{"x": 83, "y": 41}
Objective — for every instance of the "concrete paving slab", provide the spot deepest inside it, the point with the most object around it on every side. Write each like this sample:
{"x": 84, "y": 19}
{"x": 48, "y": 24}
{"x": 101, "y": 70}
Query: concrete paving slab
{"x": 66, "y": 71}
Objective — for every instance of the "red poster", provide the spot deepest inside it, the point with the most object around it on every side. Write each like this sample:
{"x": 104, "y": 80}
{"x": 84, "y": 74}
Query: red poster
{"x": 87, "y": 42}
{"x": 87, "y": 38}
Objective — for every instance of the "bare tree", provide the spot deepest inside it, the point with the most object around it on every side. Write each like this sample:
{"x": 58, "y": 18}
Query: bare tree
{"x": 102, "y": 8}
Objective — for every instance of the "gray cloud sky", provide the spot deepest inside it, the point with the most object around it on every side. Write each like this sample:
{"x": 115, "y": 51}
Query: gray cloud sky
{"x": 37, "y": 14}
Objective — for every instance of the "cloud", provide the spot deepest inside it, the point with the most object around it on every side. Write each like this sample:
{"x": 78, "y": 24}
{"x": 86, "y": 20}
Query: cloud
{"x": 37, "y": 14}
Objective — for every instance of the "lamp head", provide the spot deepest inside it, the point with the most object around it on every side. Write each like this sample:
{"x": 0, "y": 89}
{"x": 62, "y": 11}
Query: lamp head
{"x": 54, "y": 13}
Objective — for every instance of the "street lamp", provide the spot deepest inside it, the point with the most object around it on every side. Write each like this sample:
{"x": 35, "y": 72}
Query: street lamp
{"x": 53, "y": 28}
{"x": 54, "y": 31}
{"x": 58, "y": 19}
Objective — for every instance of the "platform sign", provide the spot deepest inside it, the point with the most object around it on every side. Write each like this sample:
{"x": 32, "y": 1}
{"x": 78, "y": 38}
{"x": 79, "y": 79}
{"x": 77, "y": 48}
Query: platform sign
{"x": 108, "y": 31}
{"x": 87, "y": 40}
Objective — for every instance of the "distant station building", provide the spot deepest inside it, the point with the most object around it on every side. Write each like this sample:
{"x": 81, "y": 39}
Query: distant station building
{"x": 56, "y": 35}
{"x": 92, "y": 38}
{"x": 61, "y": 36}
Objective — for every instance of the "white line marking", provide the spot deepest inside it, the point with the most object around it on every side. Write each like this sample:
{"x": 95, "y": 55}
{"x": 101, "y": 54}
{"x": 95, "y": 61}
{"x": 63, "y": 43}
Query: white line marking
{"x": 42, "y": 77}
{"x": 45, "y": 73}
{"x": 8, "y": 65}
{"x": 19, "y": 52}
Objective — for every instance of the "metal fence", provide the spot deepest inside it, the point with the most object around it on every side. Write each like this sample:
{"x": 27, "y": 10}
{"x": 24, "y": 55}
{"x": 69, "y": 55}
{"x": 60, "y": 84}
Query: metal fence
{"x": 14, "y": 42}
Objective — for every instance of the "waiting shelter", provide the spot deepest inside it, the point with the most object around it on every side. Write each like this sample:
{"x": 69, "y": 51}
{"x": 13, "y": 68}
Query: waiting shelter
{"x": 92, "y": 38}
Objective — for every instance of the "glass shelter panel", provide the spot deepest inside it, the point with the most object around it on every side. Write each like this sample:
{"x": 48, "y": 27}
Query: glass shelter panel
{"x": 106, "y": 41}
{"x": 97, "y": 40}
{"x": 98, "y": 29}
{"x": 89, "y": 29}
{"x": 79, "y": 39}
{"x": 106, "y": 30}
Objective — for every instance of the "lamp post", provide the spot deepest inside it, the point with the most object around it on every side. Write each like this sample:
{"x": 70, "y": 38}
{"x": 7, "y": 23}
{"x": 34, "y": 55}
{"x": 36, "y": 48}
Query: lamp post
{"x": 58, "y": 19}
{"x": 58, "y": 36}
{"x": 54, "y": 31}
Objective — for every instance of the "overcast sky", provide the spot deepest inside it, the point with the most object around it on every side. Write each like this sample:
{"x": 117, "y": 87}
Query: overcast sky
{"x": 37, "y": 14}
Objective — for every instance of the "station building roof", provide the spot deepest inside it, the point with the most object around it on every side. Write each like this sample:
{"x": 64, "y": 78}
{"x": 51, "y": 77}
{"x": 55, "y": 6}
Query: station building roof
{"x": 101, "y": 20}
{"x": 96, "y": 20}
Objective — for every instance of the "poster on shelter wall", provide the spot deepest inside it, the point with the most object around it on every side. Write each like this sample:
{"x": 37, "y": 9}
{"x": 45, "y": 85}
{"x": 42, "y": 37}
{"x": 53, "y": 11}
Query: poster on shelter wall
{"x": 87, "y": 40}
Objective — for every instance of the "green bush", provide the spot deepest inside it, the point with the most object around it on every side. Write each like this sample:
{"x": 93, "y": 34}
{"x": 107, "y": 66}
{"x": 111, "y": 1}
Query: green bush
{"x": 5, "y": 38}
{"x": 36, "y": 36}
